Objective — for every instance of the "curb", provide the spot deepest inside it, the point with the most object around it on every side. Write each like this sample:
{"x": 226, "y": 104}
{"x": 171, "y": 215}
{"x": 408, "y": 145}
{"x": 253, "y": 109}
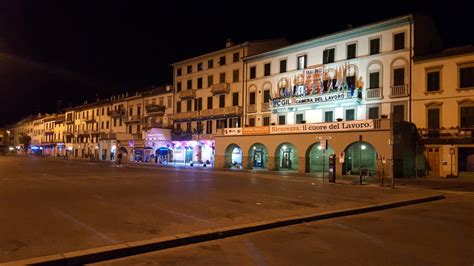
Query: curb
{"x": 138, "y": 247}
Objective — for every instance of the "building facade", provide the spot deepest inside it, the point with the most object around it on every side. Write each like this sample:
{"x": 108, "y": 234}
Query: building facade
{"x": 443, "y": 110}
{"x": 209, "y": 97}
{"x": 341, "y": 88}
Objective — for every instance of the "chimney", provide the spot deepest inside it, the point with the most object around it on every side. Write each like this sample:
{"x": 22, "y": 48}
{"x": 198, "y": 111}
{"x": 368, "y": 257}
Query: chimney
{"x": 229, "y": 43}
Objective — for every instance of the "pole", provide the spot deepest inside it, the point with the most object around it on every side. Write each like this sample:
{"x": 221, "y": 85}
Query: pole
{"x": 324, "y": 152}
{"x": 360, "y": 165}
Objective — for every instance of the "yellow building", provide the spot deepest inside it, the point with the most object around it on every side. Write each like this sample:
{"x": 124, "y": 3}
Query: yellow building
{"x": 443, "y": 110}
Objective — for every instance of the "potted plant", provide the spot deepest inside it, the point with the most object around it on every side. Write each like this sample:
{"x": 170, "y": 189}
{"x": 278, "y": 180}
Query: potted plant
{"x": 385, "y": 116}
{"x": 338, "y": 119}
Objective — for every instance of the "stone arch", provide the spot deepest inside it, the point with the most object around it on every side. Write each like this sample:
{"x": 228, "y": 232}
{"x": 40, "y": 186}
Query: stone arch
{"x": 233, "y": 156}
{"x": 286, "y": 157}
{"x": 398, "y": 63}
{"x": 258, "y": 156}
{"x": 357, "y": 155}
{"x": 372, "y": 67}
{"x": 315, "y": 162}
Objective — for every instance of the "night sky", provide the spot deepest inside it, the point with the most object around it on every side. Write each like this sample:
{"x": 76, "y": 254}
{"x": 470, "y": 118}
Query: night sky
{"x": 74, "y": 50}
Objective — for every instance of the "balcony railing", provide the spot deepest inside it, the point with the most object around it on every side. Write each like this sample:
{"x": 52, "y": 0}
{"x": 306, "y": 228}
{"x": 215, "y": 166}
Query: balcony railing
{"x": 132, "y": 119}
{"x": 266, "y": 106}
{"x": 90, "y": 120}
{"x": 116, "y": 113}
{"x": 252, "y": 108}
{"x": 186, "y": 115}
{"x": 438, "y": 133}
{"x": 399, "y": 91}
{"x": 155, "y": 109}
{"x": 150, "y": 125}
{"x": 187, "y": 94}
{"x": 374, "y": 94}
{"x": 220, "y": 88}
{"x": 225, "y": 111}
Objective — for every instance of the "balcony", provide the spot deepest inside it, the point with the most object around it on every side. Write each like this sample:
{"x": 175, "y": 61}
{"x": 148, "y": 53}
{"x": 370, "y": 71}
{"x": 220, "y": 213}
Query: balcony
{"x": 374, "y": 94}
{"x": 186, "y": 115}
{"x": 149, "y": 125}
{"x": 266, "y": 106}
{"x": 187, "y": 94}
{"x": 90, "y": 120}
{"x": 154, "y": 109}
{"x": 83, "y": 132}
{"x": 104, "y": 136}
{"x": 181, "y": 135}
{"x": 252, "y": 108}
{"x": 399, "y": 91}
{"x": 132, "y": 119}
{"x": 70, "y": 121}
{"x": 137, "y": 136}
{"x": 116, "y": 113}
{"x": 220, "y": 88}
{"x": 225, "y": 111}
{"x": 447, "y": 136}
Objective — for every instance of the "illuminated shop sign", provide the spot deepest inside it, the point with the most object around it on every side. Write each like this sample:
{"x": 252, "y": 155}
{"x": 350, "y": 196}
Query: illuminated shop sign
{"x": 312, "y": 99}
{"x": 304, "y": 128}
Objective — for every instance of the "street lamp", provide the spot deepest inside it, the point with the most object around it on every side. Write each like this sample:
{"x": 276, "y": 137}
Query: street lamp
{"x": 361, "y": 148}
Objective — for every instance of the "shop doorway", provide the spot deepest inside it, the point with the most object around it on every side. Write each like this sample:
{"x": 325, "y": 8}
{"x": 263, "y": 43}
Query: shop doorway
{"x": 317, "y": 159}
{"x": 286, "y": 157}
{"x": 258, "y": 155}
{"x": 432, "y": 155}
{"x": 360, "y": 156}
{"x": 233, "y": 156}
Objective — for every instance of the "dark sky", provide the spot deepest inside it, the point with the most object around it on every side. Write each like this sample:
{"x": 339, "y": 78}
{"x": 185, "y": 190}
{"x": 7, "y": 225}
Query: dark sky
{"x": 73, "y": 50}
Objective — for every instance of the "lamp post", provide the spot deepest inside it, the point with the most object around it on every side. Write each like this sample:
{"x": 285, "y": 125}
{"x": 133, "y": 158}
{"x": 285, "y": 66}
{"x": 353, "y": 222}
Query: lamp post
{"x": 361, "y": 148}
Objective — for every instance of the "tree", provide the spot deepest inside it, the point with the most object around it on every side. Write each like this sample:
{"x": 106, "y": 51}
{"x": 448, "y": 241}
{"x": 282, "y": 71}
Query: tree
{"x": 25, "y": 140}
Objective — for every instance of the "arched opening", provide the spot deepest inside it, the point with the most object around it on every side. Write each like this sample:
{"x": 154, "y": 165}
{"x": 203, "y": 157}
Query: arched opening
{"x": 317, "y": 158}
{"x": 233, "y": 156}
{"x": 286, "y": 157}
{"x": 258, "y": 156}
{"x": 359, "y": 155}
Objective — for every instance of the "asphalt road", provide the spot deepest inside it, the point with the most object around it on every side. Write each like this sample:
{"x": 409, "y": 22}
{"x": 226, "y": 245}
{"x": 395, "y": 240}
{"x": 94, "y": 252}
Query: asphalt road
{"x": 434, "y": 233}
{"x": 50, "y": 206}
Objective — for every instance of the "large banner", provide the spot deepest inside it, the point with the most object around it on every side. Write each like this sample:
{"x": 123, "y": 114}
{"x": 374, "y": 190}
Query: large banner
{"x": 303, "y": 128}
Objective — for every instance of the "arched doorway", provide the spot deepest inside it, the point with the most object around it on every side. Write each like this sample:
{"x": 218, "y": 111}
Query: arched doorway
{"x": 258, "y": 156}
{"x": 233, "y": 156}
{"x": 359, "y": 155}
{"x": 317, "y": 158}
{"x": 286, "y": 157}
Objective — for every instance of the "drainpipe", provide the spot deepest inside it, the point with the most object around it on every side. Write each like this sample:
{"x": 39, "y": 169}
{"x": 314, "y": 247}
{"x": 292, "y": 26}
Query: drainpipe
{"x": 410, "y": 20}
{"x": 244, "y": 89}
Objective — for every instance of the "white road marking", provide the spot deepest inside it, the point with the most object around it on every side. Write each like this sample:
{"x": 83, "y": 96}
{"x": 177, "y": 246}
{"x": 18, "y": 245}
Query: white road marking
{"x": 182, "y": 214}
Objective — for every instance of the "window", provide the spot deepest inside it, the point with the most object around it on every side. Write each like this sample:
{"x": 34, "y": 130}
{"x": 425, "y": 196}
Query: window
{"x": 138, "y": 110}
{"x": 266, "y": 96}
{"x": 222, "y": 60}
{"x": 222, "y": 101}
{"x": 178, "y": 72}
{"x": 209, "y": 102}
{"x": 351, "y": 51}
{"x": 130, "y": 129}
{"x": 398, "y": 112}
{"x": 188, "y": 127}
{"x": 178, "y": 107}
{"x": 281, "y": 119}
{"x": 267, "y": 68}
{"x": 210, "y": 63}
{"x": 266, "y": 120}
{"x": 467, "y": 117}
{"x": 375, "y": 46}
{"x": 328, "y": 56}
{"x": 131, "y": 111}
{"x": 138, "y": 128}
{"x": 190, "y": 69}
{"x": 209, "y": 127}
{"x": 170, "y": 101}
{"x": 235, "y": 99}
{"x": 253, "y": 72}
{"x": 189, "y": 105}
{"x": 398, "y": 77}
{"x": 299, "y": 118}
{"x": 301, "y": 63}
{"x": 200, "y": 66}
{"x": 432, "y": 80}
{"x": 199, "y": 86}
{"x": 236, "y": 57}
{"x": 328, "y": 116}
{"x": 190, "y": 84}
{"x": 350, "y": 114}
{"x": 252, "y": 98}
{"x": 198, "y": 104}
{"x": 373, "y": 112}
{"x": 374, "y": 80}
{"x": 222, "y": 123}
{"x": 222, "y": 77}
{"x": 210, "y": 80}
{"x": 433, "y": 118}
{"x": 235, "y": 75}
{"x": 234, "y": 122}
{"x": 399, "y": 41}
{"x": 251, "y": 121}
{"x": 107, "y": 124}
{"x": 283, "y": 66}
{"x": 466, "y": 77}
{"x": 178, "y": 86}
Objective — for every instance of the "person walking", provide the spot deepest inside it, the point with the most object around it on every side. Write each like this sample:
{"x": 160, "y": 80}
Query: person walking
{"x": 119, "y": 160}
